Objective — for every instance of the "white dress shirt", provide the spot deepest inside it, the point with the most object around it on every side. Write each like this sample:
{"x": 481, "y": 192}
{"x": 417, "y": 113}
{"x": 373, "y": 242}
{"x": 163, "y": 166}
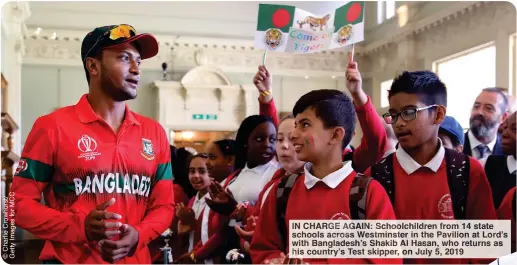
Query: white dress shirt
{"x": 475, "y": 143}
{"x": 332, "y": 180}
{"x": 410, "y": 165}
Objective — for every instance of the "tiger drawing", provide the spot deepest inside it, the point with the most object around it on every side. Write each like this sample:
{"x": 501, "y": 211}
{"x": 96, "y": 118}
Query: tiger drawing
{"x": 344, "y": 34}
{"x": 315, "y": 22}
{"x": 273, "y": 38}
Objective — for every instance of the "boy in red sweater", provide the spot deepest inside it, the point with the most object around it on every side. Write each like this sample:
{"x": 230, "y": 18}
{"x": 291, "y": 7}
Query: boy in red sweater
{"x": 422, "y": 188}
{"x": 324, "y": 123}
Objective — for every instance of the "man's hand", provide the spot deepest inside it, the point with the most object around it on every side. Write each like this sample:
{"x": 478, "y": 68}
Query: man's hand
{"x": 112, "y": 251}
{"x": 354, "y": 84}
{"x": 222, "y": 201}
{"x": 95, "y": 226}
{"x": 264, "y": 82}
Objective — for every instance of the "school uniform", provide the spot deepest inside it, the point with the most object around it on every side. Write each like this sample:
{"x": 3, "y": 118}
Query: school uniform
{"x": 422, "y": 193}
{"x": 176, "y": 241}
{"x": 206, "y": 238}
{"x": 500, "y": 171}
{"x": 507, "y": 212}
{"x": 374, "y": 142}
{"x": 328, "y": 199}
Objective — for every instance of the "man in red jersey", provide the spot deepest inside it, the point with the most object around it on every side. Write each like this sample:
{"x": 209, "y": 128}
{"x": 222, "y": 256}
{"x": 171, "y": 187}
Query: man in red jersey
{"x": 104, "y": 170}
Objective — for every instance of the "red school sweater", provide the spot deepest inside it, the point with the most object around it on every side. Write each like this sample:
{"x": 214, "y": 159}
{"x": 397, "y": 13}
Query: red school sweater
{"x": 325, "y": 204}
{"x": 425, "y": 195}
{"x": 216, "y": 226}
{"x": 374, "y": 142}
{"x": 505, "y": 212}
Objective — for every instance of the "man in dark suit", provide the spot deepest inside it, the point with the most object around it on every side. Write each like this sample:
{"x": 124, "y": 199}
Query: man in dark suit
{"x": 488, "y": 112}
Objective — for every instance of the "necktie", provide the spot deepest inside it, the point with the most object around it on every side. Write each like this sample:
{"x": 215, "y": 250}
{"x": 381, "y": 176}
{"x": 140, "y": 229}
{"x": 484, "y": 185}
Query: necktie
{"x": 482, "y": 149}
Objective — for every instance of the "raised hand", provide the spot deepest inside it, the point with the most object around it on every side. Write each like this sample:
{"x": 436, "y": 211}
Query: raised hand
{"x": 354, "y": 84}
{"x": 186, "y": 219}
{"x": 221, "y": 201}
{"x": 95, "y": 225}
{"x": 263, "y": 79}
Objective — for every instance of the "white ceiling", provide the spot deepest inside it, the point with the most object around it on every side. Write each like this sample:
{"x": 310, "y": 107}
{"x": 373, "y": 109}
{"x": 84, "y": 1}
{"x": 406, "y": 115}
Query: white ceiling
{"x": 209, "y": 19}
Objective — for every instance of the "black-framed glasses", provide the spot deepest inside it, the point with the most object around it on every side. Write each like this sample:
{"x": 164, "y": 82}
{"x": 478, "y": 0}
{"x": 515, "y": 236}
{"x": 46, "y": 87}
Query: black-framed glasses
{"x": 115, "y": 33}
{"x": 406, "y": 115}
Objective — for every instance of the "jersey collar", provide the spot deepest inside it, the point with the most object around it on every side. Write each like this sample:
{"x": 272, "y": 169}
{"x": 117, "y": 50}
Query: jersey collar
{"x": 87, "y": 115}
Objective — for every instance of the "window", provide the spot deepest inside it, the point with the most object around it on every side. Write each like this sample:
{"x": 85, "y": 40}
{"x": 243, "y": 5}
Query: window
{"x": 385, "y": 10}
{"x": 385, "y": 86}
{"x": 513, "y": 65}
{"x": 465, "y": 75}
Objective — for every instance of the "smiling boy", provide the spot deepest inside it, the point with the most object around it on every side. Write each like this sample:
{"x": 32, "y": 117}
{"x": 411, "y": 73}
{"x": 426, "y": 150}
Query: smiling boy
{"x": 324, "y": 123}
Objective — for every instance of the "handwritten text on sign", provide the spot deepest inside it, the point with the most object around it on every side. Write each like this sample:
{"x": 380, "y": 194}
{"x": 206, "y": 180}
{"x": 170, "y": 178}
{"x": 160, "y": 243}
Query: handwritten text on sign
{"x": 308, "y": 41}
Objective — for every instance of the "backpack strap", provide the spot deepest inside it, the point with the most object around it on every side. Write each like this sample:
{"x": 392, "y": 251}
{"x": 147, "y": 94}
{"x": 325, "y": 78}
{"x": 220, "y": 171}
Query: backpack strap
{"x": 358, "y": 192}
{"x": 458, "y": 173}
{"x": 282, "y": 196}
{"x": 383, "y": 173}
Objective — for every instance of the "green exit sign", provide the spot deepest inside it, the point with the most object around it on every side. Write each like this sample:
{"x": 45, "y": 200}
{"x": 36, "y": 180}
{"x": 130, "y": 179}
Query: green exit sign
{"x": 212, "y": 117}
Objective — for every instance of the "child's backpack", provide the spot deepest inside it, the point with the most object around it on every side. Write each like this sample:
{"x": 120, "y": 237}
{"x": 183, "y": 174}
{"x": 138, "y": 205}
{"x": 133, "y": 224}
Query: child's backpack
{"x": 458, "y": 173}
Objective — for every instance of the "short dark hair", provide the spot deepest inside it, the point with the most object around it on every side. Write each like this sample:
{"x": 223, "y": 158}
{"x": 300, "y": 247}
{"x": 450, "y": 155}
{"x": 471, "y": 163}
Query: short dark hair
{"x": 333, "y": 107}
{"x": 501, "y": 93}
{"x": 241, "y": 140}
{"x": 425, "y": 84}
{"x": 454, "y": 140}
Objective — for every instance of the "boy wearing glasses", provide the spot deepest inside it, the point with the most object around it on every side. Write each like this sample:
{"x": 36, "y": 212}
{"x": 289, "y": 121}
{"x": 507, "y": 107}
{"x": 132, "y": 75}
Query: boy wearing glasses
{"x": 104, "y": 170}
{"x": 422, "y": 178}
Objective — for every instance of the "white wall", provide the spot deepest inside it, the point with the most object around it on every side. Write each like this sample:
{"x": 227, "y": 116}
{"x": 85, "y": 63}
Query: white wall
{"x": 45, "y": 88}
{"x": 489, "y": 22}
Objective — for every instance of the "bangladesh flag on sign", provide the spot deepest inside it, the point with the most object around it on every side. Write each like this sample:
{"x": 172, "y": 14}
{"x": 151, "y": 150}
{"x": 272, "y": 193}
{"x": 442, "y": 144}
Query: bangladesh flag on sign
{"x": 348, "y": 24}
{"x": 273, "y": 26}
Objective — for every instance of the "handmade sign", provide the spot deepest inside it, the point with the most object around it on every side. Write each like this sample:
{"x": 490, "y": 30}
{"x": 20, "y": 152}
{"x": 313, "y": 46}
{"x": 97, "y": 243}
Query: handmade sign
{"x": 290, "y": 29}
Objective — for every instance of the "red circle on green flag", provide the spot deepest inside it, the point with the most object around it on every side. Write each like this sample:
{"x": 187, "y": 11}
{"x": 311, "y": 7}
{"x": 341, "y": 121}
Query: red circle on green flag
{"x": 281, "y": 18}
{"x": 354, "y": 12}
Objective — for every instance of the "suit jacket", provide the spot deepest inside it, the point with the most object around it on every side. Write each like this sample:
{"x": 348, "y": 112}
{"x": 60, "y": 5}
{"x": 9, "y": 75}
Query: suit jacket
{"x": 497, "y": 147}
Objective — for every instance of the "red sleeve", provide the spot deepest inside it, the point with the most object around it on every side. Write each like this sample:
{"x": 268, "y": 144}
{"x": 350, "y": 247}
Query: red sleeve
{"x": 35, "y": 171}
{"x": 479, "y": 202}
{"x": 378, "y": 207}
{"x": 160, "y": 207}
{"x": 374, "y": 141}
{"x": 207, "y": 250}
{"x": 505, "y": 212}
{"x": 269, "y": 109}
{"x": 266, "y": 243}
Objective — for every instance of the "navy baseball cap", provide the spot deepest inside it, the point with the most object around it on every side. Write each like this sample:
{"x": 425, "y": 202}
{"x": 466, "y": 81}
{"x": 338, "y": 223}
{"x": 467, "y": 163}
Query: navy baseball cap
{"x": 453, "y": 128}
{"x": 109, "y": 36}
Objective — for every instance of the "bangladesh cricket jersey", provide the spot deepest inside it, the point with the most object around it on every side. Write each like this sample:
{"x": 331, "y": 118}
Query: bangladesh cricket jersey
{"x": 76, "y": 160}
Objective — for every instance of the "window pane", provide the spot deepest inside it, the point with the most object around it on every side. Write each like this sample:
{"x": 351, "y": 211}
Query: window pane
{"x": 385, "y": 86}
{"x": 513, "y": 65}
{"x": 465, "y": 76}
{"x": 380, "y": 12}
{"x": 390, "y": 9}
